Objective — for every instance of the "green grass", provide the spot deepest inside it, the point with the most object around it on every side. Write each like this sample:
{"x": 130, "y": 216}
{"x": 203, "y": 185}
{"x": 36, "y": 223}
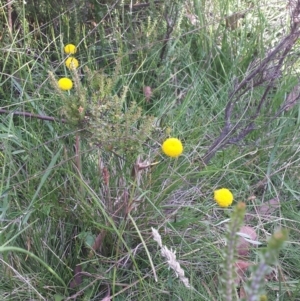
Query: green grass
{"x": 58, "y": 203}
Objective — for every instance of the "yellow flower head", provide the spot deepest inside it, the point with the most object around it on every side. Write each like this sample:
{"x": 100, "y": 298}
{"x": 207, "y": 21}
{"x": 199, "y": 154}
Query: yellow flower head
{"x": 263, "y": 298}
{"x": 70, "y": 49}
{"x": 65, "y": 84}
{"x": 223, "y": 197}
{"x": 172, "y": 147}
{"x": 72, "y": 63}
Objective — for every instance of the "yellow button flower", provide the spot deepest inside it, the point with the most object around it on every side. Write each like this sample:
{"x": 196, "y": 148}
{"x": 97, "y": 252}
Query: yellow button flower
{"x": 223, "y": 197}
{"x": 72, "y": 63}
{"x": 70, "y": 49}
{"x": 65, "y": 84}
{"x": 172, "y": 147}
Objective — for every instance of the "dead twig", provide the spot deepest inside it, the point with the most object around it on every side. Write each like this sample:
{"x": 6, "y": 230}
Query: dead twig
{"x": 30, "y": 115}
{"x": 171, "y": 20}
{"x": 262, "y": 74}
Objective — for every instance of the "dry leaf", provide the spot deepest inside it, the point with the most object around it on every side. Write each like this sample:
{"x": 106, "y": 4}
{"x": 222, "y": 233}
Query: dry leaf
{"x": 233, "y": 21}
{"x": 98, "y": 242}
{"x": 267, "y": 209}
{"x": 139, "y": 166}
{"x": 292, "y": 97}
{"x": 105, "y": 175}
{"x": 243, "y": 246}
{"x": 147, "y": 93}
{"x": 28, "y": 242}
{"x": 242, "y": 294}
{"x": 77, "y": 277}
{"x": 241, "y": 267}
{"x": 193, "y": 18}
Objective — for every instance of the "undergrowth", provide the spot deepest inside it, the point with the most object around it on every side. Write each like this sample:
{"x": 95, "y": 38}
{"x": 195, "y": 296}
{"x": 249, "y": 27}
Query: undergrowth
{"x": 90, "y": 206}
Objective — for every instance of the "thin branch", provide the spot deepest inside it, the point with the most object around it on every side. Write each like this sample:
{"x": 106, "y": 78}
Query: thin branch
{"x": 30, "y": 115}
{"x": 169, "y": 30}
{"x": 140, "y": 5}
{"x": 264, "y": 74}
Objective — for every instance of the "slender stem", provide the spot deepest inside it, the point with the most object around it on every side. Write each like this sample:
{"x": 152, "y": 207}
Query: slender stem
{"x": 30, "y": 115}
{"x": 9, "y": 17}
{"x": 77, "y": 152}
